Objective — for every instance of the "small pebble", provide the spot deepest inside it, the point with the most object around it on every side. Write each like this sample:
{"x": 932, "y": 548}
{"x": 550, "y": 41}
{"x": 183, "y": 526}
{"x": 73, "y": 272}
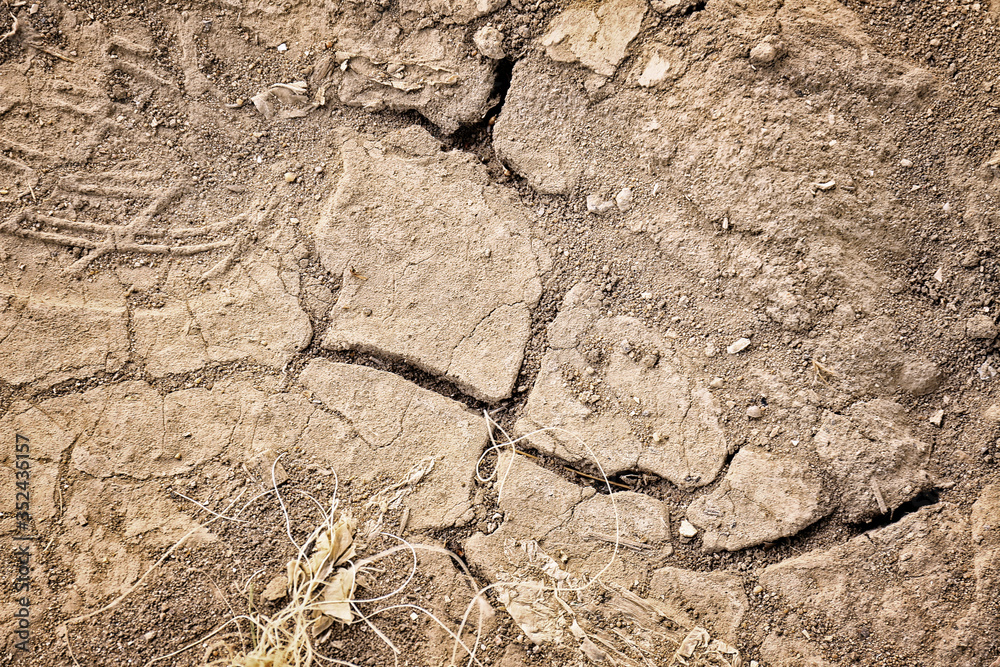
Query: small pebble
{"x": 290, "y": 176}
{"x": 597, "y": 205}
{"x": 980, "y": 327}
{"x": 763, "y": 54}
{"x": 919, "y": 377}
{"x": 282, "y": 47}
{"x": 624, "y": 200}
{"x": 716, "y": 383}
{"x": 489, "y": 42}
{"x": 738, "y": 346}
{"x": 687, "y": 529}
{"x": 937, "y": 418}
{"x": 754, "y": 412}
{"x": 905, "y": 163}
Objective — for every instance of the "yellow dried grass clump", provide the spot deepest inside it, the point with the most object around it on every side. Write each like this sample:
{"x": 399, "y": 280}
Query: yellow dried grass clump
{"x": 321, "y": 589}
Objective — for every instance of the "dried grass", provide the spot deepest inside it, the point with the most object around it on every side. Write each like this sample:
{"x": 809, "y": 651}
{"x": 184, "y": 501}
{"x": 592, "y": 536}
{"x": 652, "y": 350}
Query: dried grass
{"x": 327, "y": 572}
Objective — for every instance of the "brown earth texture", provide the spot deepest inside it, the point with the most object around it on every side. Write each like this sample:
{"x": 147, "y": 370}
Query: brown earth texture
{"x": 500, "y": 332}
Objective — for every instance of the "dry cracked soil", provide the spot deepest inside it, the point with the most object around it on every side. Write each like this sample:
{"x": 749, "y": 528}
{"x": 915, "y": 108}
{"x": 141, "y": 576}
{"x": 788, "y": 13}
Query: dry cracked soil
{"x": 665, "y": 331}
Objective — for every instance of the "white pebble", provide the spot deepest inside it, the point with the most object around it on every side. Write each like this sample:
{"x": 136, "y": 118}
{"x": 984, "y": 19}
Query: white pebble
{"x": 597, "y": 205}
{"x": 624, "y": 200}
{"x": 687, "y": 529}
{"x": 282, "y": 47}
{"x": 754, "y": 412}
{"x": 738, "y": 346}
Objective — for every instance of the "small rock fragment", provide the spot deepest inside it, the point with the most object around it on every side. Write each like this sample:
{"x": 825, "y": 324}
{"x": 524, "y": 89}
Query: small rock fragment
{"x": 290, "y": 176}
{"x": 276, "y": 588}
{"x": 595, "y": 204}
{"x": 687, "y": 530}
{"x": 716, "y": 383}
{"x": 668, "y": 6}
{"x": 970, "y": 260}
{"x": 937, "y": 418}
{"x": 738, "y": 346}
{"x": 489, "y": 42}
{"x": 655, "y": 72}
{"x": 624, "y": 200}
{"x": 282, "y": 47}
{"x": 919, "y": 377}
{"x": 980, "y": 327}
{"x": 906, "y": 164}
{"x": 763, "y": 54}
{"x": 754, "y": 412}
{"x": 597, "y": 37}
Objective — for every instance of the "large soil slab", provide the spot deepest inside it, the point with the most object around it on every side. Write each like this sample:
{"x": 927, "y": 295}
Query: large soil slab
{"x": 397, "y": 427}
{"x": 762, "y": 498}
{"x": 250, "y": 313}
{"x": 362, "y": 422}
{"x": 863, "y": 464}
{"x": 614, "y": 393}
{"x": 91, "y": 332}
{"x": 898, "y": 584}
{"x": 423, "y": 69}
{"x": 437, "y": 265}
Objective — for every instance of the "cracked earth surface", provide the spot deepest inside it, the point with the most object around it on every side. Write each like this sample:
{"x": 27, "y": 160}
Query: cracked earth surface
{"x": 725, "y": 270}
